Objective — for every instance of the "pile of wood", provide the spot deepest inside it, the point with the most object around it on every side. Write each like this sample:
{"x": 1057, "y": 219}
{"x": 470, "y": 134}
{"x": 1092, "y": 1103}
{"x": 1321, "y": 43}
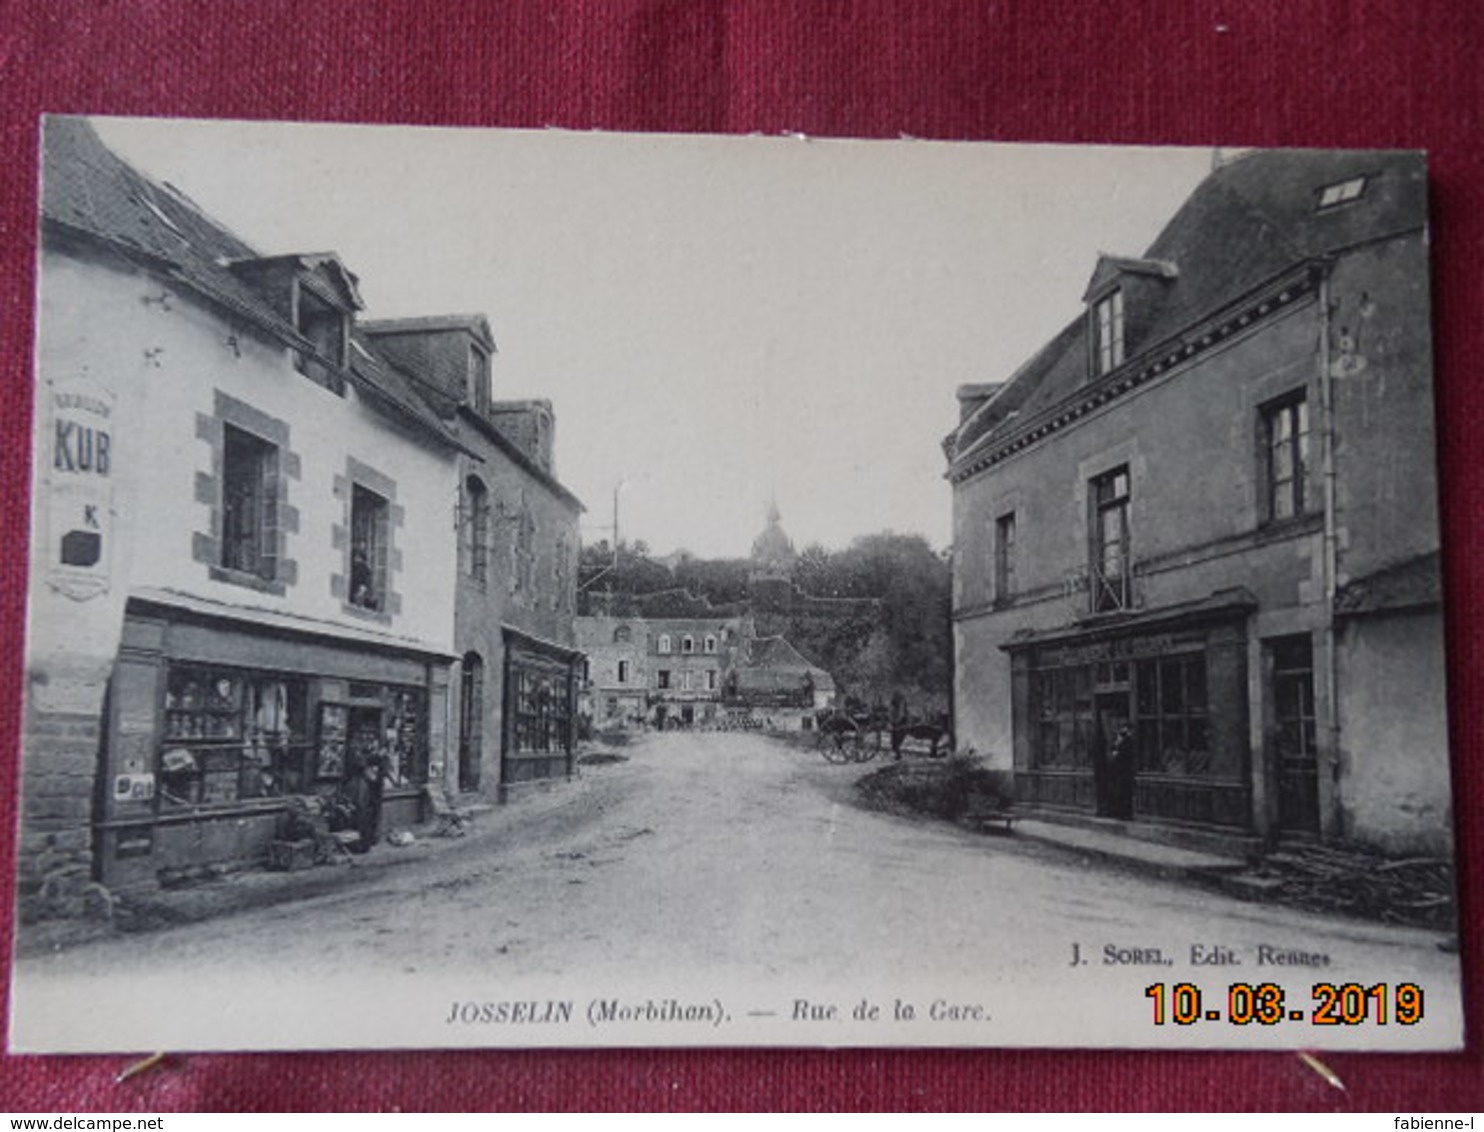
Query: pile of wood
{"x": 1418, "y": 891}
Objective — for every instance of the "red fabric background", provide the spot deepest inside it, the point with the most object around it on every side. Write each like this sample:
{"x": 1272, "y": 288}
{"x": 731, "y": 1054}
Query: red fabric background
{"x": 1402, "y": 73}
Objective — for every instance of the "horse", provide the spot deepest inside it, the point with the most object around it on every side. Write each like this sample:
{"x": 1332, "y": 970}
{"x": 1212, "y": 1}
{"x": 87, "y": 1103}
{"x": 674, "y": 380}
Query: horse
{"x": 932, "y": 733}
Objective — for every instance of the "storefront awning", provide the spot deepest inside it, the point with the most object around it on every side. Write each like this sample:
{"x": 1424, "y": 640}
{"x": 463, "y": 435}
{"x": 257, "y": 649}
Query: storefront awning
{"x": 541, "y": 644}
{"x": 289, "y": 624}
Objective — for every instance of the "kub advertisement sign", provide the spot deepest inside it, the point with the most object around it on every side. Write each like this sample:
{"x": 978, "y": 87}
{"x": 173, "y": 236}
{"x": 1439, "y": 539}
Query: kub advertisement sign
{"x": 79, "y": 487}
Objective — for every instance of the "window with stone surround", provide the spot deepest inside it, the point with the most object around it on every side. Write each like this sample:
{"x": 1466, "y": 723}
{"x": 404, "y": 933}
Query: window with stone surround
{"x": 477, "y": 526}
{"x": 367, "y": 538}
{"x": 249, "y": 504}
{"x": 523, "y": 574}
{"x": 245, "y": 542}
{"x": 369, "y": 518}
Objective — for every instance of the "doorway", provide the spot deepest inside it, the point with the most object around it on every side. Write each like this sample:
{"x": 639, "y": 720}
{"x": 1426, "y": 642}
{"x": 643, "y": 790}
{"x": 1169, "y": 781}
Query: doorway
{"x": 471, "y": 722}
{"x": 1293, "y": 739}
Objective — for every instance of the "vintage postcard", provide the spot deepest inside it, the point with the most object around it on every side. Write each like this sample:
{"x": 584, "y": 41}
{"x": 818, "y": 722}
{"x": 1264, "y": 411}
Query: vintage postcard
{"x": 550, "y": 589}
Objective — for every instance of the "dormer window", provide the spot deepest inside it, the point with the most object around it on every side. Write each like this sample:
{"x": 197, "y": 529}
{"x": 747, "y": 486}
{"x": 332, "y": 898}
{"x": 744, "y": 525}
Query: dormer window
{"x": 479, "y": 392}
{"x": 1341, "y": 192}
{"x": 1107, "y": 333}
{"x": 324, "y": 325}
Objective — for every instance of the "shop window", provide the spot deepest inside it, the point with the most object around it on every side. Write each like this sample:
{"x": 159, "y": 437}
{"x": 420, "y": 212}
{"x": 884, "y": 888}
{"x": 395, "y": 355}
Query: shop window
{"x": 370, "y": 516}
{"x": 477, "y": 522}
{"x": 1172, "y": 725}
{"x": 1004, "y": 557}
{"x": 1107, "y": 333}
{"x": 230, "y": 736}
{"x": 543, "y": 721}
{"x": 1285, "y": 444}
{"x": 249, "y": 539}
{"x": 390, "y": 724}
{"x": 1063, "y": 710}
{"x": 1110, "y": 567}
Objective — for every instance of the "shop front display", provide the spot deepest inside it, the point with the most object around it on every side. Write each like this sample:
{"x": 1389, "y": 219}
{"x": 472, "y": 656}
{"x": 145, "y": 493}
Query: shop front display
{"x": 205, "y": 755}
{"x": 541, "y": 680}
{"x": 1133, "y": 724}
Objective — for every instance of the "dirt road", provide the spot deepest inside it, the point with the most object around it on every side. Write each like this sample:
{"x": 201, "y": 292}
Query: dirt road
{"x": 735, "y": 860}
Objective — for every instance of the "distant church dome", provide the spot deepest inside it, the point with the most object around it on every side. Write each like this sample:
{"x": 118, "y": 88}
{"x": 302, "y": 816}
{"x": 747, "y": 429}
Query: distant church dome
{"x": 772, "y": 551}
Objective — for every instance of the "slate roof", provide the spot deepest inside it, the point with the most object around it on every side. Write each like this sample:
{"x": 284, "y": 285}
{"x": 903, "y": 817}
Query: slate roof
{"x": 774, "y": 665}
{"x": 89, "y": 192}
{"x": 1247, "y": 224}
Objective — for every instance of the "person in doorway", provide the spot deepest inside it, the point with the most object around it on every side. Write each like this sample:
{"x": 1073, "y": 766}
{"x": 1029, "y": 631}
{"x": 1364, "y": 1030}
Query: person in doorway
{"x": 362, "y": 797}
{"x": 1121, "y": 773}
{"x": 1101, "y": 770}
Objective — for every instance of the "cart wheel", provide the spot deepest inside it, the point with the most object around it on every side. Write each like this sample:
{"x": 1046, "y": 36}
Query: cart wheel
{"x": 834, "y": 751}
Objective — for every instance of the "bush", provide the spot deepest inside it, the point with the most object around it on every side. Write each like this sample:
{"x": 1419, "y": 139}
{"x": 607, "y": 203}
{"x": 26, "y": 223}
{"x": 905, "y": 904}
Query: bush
{"x": 947, "y": 789}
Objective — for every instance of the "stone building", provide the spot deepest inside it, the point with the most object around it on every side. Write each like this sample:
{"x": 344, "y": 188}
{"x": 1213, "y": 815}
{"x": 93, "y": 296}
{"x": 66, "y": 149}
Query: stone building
{"x": 665, "y": 671}
{"x": 240, "y": 543}
{"x": 773, "y": 683}
{"x": 515, "y": 586}
{"x": 1196, "y": 542}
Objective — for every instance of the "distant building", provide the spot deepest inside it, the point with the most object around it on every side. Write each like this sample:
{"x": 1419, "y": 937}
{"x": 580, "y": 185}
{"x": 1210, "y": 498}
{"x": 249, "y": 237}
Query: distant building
{"x": 661, "y": 671}
{"x": 1203, "y": 517}
{"x": 780, "y": 608}
{"x": 774, "y": 683}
